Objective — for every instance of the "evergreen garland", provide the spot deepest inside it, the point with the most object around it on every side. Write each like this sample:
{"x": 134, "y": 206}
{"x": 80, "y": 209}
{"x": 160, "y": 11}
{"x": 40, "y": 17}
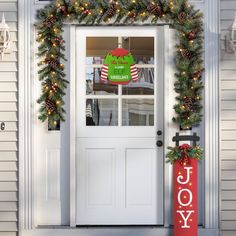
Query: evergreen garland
{"x": 179, "y": 13}
{"x": 183, "y": 153}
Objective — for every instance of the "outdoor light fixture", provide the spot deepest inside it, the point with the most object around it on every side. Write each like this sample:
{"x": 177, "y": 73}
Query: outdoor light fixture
{"x": 4, "y": 37}
{"x": 232, "y": 36}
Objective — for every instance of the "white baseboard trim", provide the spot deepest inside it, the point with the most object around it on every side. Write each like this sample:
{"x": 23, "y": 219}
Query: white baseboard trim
{"x": 111, "y": 231}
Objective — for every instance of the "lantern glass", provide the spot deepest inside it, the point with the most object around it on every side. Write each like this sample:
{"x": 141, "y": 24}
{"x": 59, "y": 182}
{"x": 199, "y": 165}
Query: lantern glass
{"x": 3, "y": 36}
{"x": 233, "y": 35}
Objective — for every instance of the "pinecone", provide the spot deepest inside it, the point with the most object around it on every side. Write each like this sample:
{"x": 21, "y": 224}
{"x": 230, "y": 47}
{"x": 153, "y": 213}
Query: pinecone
{"x": 186, "y": 53}
{"x": 52, "y": 63}
{"x": 111, "y": 11}
{"x": 50, "y": 105}
{"x": 182, "y": 16}
{"x": 154, "y": 9}
{"x": 49, "y": 22}
{"x": 198, "y": 74}
{"x": 189, "y": 102}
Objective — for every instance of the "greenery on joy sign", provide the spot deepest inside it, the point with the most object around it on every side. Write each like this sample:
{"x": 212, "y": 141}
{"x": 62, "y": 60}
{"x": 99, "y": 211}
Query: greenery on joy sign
{"x": 179, "y": 13}
{"x": 183, "y": 153}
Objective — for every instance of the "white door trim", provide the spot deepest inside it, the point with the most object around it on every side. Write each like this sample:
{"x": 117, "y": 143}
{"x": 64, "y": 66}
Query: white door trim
{"x": 73, "y": 183}
{"x": 212, "y": 125}
{"x": 26, "y": 209}
{"x": 26, "y": 212}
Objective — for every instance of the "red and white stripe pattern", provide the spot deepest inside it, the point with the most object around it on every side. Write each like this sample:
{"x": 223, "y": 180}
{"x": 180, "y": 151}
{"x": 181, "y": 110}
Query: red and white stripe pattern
{"x": 104, "y": 74}
{"x": 134, "y": 73}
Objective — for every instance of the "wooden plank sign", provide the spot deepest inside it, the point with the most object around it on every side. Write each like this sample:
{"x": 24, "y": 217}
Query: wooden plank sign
{"x": 185, "y": 198}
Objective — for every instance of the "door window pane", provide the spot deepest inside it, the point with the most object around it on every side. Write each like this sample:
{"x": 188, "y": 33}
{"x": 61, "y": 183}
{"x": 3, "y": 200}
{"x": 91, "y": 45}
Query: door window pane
{"x": 94, "y": 86}
{"x": 142, "y": 48}
{"x": 101, "y": 112}
{"x": 137, "y": 112}
{"x": 144, "y": 86}
{"x": 98, "y": 47}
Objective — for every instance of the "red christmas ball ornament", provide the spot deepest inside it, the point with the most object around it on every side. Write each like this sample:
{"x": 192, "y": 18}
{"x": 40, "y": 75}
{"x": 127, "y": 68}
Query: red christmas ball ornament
{"x": 63, "y": 10}
{"x": 191, "y": 35}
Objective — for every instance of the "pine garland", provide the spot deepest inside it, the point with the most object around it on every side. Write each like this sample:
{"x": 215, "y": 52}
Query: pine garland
{"x": 179, "y": 13}
{"x": 183, "y": 153}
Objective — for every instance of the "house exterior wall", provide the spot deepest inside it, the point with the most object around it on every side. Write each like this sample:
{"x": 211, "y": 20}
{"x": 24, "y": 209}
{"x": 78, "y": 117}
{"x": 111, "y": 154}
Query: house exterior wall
{"x": 228, "y": 124}
{"x": 8, "y": 137}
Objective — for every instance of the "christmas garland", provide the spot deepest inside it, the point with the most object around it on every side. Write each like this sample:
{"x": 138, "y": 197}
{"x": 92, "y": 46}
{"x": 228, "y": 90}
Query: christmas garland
{"x": 179, "y": 13}
{"x": 183, "y": 153}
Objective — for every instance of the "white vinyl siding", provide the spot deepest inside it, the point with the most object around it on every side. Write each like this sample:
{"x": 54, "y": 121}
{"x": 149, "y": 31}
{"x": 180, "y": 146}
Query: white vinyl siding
{"x": 228, "y": 124}
{"x": 8, "y": 137}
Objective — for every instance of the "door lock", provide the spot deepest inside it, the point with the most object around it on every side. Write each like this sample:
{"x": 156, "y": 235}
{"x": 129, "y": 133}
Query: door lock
{"x": 159, "y": 132}
{"x": 159, "y": 143}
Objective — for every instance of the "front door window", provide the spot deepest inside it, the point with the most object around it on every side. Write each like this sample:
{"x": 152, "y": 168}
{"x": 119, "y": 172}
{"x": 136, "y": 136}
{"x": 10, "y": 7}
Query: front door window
{"x": 126, "y": 105}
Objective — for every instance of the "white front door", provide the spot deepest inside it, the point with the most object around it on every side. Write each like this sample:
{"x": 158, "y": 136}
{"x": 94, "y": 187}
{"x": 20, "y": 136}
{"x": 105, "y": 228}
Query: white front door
{"x": 119, "y": 166}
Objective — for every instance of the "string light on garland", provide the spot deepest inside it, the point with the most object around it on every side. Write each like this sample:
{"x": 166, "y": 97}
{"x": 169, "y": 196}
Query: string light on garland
{"x": 179, "y": 13}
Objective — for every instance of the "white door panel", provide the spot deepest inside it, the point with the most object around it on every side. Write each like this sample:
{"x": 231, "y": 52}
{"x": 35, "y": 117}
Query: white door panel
{"x": 119, "y": 168}
{"x": 48, "y": 178}
{"x": 117, "y": 181}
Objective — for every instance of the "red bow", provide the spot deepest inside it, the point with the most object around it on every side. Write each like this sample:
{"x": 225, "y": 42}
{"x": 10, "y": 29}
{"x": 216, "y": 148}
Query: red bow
{"x": 184, "y": 154}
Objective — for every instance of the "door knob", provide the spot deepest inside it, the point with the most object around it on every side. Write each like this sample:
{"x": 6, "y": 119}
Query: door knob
{"x": 159, "y": 143}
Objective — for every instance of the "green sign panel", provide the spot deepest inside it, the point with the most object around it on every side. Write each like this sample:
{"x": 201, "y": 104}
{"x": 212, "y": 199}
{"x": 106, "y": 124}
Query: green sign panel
{"x": 119, "y": 67}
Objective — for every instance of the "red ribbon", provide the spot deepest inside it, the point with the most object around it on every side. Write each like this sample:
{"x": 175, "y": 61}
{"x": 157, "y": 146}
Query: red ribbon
{"x": 184, "y": 159}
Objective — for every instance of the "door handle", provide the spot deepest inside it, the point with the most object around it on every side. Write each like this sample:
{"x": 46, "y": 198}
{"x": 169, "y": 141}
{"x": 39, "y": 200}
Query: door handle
{"x": 159, "y": 143}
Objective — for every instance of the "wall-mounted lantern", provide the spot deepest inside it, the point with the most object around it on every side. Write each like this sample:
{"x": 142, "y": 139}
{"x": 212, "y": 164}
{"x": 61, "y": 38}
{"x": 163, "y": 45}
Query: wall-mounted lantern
{"x": 232, "y": 35}
{"x": 4, "y": 37}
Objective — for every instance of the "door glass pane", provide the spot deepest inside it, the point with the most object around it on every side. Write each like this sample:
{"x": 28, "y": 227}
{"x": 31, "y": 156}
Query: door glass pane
{"x": 144, "y": 86}
{"x": 98, "y": 47}
{"x": 94, "y": 86}
{"x": 101, "y": 112}
{"x": 138, "y": 112}
{"x": 142, "y": 48}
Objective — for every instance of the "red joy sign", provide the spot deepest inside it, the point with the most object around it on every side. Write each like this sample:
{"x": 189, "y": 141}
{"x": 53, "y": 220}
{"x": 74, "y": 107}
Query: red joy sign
{"x": 185, "y": 198}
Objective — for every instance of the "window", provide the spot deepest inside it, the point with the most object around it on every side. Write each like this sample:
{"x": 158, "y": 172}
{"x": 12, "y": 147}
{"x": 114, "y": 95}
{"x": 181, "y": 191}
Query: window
{"x": 120, "y": 105}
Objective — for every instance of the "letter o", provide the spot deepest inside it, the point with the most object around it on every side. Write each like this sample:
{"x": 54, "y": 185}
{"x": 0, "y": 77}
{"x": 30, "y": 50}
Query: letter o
{"x": 190, "y": 197}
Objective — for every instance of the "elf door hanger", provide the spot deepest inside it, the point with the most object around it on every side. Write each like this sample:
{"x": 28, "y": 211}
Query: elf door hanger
{"x": 119, "y": 67}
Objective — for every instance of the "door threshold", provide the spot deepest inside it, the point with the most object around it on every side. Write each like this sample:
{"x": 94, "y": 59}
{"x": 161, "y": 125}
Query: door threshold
{"x": 110, "y": 231}
{"x": 119, "y": 226}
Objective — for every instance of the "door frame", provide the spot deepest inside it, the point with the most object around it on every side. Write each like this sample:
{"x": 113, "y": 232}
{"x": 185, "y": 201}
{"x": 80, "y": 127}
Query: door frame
{"x": 168, "y": 125}
{"x": 27, "y": 73}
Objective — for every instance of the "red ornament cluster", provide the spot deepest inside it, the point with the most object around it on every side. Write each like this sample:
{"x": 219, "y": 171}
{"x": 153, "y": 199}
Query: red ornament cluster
{"x": 184, "y": 154}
